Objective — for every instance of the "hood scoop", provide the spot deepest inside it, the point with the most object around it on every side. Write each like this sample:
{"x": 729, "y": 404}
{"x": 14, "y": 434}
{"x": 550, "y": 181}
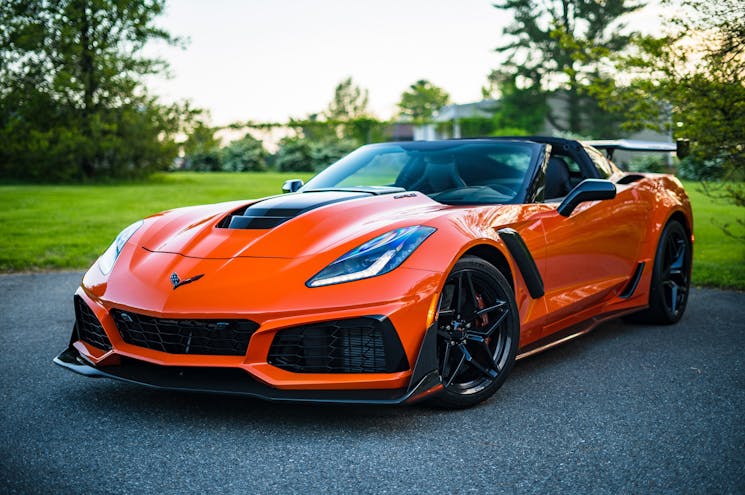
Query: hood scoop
{"x": 274, "y": 211}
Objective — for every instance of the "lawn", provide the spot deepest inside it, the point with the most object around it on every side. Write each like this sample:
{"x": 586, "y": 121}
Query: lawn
{"x": 67, "y": 227}
{"x": 62, "y": 227}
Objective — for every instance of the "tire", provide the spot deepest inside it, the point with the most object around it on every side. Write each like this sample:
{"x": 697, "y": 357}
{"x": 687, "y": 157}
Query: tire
{"x": 478, "y": 333}
{"x": 671, "y": 278}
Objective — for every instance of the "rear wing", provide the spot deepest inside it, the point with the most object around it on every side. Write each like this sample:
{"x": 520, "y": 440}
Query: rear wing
{"x": 680, "y": 147}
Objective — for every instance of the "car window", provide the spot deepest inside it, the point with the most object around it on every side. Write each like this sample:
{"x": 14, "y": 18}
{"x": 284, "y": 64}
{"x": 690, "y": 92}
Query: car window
{"x": 382, "y": 170}
{"x": 600, "y": 162}
{"x": 451, "y": 172}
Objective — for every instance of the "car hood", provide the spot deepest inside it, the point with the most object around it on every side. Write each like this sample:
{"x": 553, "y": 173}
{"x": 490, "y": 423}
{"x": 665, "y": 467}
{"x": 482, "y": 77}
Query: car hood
{"x": 285, "y": 226}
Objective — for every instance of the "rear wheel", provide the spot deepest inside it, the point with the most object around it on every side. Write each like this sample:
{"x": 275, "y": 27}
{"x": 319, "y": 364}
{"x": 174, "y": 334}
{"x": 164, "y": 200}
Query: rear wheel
{"x": 671, "y": 278}
{"x": 477, "y": 335}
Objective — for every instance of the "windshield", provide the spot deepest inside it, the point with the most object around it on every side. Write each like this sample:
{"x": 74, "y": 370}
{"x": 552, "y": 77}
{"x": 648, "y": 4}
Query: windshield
{"x": 451, "y": 172}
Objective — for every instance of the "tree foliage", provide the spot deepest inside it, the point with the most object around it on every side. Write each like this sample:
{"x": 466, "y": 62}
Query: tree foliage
{"x": 301, "y": 154}
{"x": 72, "y": 104}
{"x": 244, "y": 155}
{"x": 557, "y": 48}
{"x": 422, "y": 100}
{"x": 694, "y": 76}
{"x": 349, "y": 102}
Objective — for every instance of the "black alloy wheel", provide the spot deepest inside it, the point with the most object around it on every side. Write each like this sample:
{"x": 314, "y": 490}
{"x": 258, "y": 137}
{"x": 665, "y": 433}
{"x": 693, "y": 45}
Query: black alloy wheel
{"x": 671, "y": 277}
{"x": 478, "y": 333}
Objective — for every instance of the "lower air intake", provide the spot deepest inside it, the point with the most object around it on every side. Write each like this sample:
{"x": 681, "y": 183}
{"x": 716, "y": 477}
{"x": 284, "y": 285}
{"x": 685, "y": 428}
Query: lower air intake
{"x": 359, "y": 345}
{"x": 88, "y": 326}
{"x": 185, "y": 336}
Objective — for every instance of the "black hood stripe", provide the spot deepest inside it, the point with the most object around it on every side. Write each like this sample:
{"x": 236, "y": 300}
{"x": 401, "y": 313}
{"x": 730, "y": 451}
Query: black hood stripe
{"x": 274, "y": 211}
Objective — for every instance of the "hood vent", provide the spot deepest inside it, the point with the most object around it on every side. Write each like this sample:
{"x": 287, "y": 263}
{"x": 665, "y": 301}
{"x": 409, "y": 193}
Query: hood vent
{"x": 271, "y": 212}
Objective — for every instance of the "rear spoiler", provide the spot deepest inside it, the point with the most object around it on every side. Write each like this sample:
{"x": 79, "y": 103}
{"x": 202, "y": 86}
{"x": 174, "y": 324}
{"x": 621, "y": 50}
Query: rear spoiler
{"x": 680, "y": 147}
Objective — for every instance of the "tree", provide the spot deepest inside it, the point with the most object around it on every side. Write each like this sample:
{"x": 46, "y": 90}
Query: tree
{"x": 201, "y": 148}
{"x": 349, "y": 102}
{"x": 560, "y": 46}
{"x": 72, "y": 103}
{"x": 519, "y": 110}
{"x": 422, "y": 100}
{"x": 695, "y": 76}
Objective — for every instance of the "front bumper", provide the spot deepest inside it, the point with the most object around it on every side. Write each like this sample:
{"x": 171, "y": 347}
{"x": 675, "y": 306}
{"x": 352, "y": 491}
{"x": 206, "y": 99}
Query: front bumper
{"x": 235, "y": 381}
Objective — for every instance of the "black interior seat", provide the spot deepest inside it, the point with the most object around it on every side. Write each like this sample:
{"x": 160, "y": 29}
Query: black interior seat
{"x": 438, "y": 177}
{"x": 558, "y": 184}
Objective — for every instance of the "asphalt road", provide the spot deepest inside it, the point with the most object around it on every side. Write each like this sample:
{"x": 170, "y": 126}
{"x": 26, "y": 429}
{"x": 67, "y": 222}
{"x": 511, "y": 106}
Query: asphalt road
{"x": 626, "y": 409}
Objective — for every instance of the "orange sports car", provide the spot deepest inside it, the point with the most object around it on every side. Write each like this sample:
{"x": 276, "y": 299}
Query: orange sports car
{"x": 405, "y": 271}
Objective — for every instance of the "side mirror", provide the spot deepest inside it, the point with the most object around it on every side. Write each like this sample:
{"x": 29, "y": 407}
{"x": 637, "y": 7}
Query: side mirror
{"x": 587, "y": 190}
{"x": 292, "y": 185}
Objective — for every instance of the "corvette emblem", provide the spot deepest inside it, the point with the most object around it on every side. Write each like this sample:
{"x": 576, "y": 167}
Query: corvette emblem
{"x": 177, "y": 282}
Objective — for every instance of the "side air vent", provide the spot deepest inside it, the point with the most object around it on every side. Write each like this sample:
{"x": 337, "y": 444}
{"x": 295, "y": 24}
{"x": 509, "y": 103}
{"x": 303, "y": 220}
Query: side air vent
{"x": 629, "y": 178}
{"x": 630, "y": 288}
{"x": 359, "y": 345}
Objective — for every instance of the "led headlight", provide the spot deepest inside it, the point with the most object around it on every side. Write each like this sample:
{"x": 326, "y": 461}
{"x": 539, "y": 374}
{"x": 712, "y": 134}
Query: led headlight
{"x": 375, "y": 257}
{"x": 108, "y": 258}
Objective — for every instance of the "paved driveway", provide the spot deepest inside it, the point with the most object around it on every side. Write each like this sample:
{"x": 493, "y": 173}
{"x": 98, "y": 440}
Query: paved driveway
{"x": 626, "y": 409}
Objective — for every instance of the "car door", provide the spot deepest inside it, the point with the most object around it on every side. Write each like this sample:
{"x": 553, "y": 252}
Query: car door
{"x": 593, "y": 253}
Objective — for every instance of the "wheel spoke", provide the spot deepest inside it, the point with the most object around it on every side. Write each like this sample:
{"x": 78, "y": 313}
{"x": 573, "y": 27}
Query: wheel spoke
{"x": 501, "y": 342}
{"x": 459, "y": 295}
{"x": 474, "y": 295}
{"x": 495, "y": 325}
{"x": 486, "y": 310}
{"x": 446, "y": 361}
{"x": 467, "y": 355}
{"x": 674, "y": 298}
{"x": 457, "y": 370}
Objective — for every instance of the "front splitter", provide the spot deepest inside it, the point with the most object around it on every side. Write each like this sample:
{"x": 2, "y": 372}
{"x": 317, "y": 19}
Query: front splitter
{"x": 235, "y": 381}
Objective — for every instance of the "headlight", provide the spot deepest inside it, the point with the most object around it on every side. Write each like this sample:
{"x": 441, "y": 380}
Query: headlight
{"x": 107, "y": 259}
{"x": 375, "y": 257}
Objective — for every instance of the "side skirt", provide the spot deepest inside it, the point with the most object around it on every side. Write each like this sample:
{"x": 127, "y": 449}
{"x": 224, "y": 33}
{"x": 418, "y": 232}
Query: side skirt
{"x": 571, "y": 333}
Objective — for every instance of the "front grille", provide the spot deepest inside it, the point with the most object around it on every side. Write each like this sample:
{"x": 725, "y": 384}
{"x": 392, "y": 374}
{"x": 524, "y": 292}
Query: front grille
{"x": 89, "y": 328}
{"x": 185, "y": 336}
{"x": 359, "y": 345}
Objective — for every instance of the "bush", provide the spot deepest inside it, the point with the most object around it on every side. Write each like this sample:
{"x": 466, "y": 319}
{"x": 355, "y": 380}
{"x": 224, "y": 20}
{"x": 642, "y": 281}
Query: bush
{"x": 324, "y": 154}
{"x": 204, "y": 161}
{"x": 294, "y": 155}
{"x": 693, "y": 168}
{"x": 648, "y": 163}
{"x": 244, "y": 155}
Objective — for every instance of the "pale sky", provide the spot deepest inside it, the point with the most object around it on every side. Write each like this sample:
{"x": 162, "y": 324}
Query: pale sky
{"x": 267, "y": 60}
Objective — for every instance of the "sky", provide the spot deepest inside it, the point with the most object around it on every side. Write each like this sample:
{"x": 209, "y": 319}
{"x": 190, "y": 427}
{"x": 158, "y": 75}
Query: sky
{"x": 268, "y": 60}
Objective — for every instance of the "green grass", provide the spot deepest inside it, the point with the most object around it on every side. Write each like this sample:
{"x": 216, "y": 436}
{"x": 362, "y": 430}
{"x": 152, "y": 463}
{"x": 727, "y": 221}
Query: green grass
{"x": 67, "y": 227}
{"x": 718, "y": 260}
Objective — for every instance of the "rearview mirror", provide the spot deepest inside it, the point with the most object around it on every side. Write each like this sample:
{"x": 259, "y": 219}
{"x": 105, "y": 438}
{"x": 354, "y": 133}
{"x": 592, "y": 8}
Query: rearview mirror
{"x": 587, "y": 190}
{"x": 292, "y": 185}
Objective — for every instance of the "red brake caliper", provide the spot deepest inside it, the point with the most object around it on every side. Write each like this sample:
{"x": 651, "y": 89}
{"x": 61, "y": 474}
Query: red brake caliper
{"x": 482, "y": 320}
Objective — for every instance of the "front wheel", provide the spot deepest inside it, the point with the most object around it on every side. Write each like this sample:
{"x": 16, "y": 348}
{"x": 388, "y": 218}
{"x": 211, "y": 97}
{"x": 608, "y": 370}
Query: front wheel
{"x": 671, "y": 278}
{"x": 478, "y": 329}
